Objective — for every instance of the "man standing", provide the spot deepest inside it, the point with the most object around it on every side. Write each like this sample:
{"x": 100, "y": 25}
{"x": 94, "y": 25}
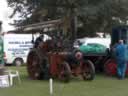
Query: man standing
{"x": 120, "y": 52}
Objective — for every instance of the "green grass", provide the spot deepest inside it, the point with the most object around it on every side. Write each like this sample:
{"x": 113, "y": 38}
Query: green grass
{"x": 101, "y": 86}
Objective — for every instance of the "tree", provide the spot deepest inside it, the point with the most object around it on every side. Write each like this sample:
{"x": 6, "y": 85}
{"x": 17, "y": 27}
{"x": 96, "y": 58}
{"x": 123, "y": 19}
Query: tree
{"x": 93, "y": 15}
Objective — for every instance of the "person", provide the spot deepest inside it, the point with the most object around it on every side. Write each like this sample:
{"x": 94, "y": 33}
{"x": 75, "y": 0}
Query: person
{"x": 38, "y": 41}
{"x": 120, "y": 54}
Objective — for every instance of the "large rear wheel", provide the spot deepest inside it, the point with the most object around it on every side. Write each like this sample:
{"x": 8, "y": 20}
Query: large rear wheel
{"x": 35, "y": 64}
{"x": 88, "y": 70}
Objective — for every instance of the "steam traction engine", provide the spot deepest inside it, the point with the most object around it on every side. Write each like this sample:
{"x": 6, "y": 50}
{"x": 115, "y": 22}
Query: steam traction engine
{"x": 56, "y": 57}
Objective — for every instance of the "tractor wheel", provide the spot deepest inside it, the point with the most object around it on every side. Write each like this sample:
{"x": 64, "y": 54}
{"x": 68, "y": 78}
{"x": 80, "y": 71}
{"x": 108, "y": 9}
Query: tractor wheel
{"x": 65, "y": 72}
{"x": 110, "y": 67}
{"x": 88, "y": 70}
{"x": 34, "y": 64}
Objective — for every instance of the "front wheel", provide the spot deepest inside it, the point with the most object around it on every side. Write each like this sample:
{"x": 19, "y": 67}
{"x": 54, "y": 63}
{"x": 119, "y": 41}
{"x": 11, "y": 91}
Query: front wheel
{"x": 65, "y": 72}
{"x": 88, "y": 70}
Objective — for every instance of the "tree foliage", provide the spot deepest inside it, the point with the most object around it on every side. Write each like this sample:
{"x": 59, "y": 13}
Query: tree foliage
{"x": 94, "y": 15}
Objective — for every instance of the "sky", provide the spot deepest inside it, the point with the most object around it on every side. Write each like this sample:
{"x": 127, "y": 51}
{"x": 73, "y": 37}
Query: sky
{"x": 5, "y": 12}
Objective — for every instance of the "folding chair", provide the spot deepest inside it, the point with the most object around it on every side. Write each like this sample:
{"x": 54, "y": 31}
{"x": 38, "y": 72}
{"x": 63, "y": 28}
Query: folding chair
{"x": 13, "y": 74}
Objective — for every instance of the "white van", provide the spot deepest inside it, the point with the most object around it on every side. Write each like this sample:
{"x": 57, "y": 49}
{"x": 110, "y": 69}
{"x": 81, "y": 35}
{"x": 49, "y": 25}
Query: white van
{"x": 16, "y": 47}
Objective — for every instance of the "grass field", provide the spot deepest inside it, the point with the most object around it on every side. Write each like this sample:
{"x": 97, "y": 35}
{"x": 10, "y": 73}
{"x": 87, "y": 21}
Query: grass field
{"x": 101, "y": 86}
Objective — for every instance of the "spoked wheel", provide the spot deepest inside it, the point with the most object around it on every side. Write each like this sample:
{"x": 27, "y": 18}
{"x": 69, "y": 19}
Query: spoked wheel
{"x": 34, "y": 61}
{"x": 110, "y": 67}
{"x": 65, "y": 72}
{"x": 88, "y": 70}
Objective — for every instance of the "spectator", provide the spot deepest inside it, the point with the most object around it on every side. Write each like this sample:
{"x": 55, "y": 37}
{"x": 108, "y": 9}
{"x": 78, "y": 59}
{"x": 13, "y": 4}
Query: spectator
{"x": 120, "y": 54}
